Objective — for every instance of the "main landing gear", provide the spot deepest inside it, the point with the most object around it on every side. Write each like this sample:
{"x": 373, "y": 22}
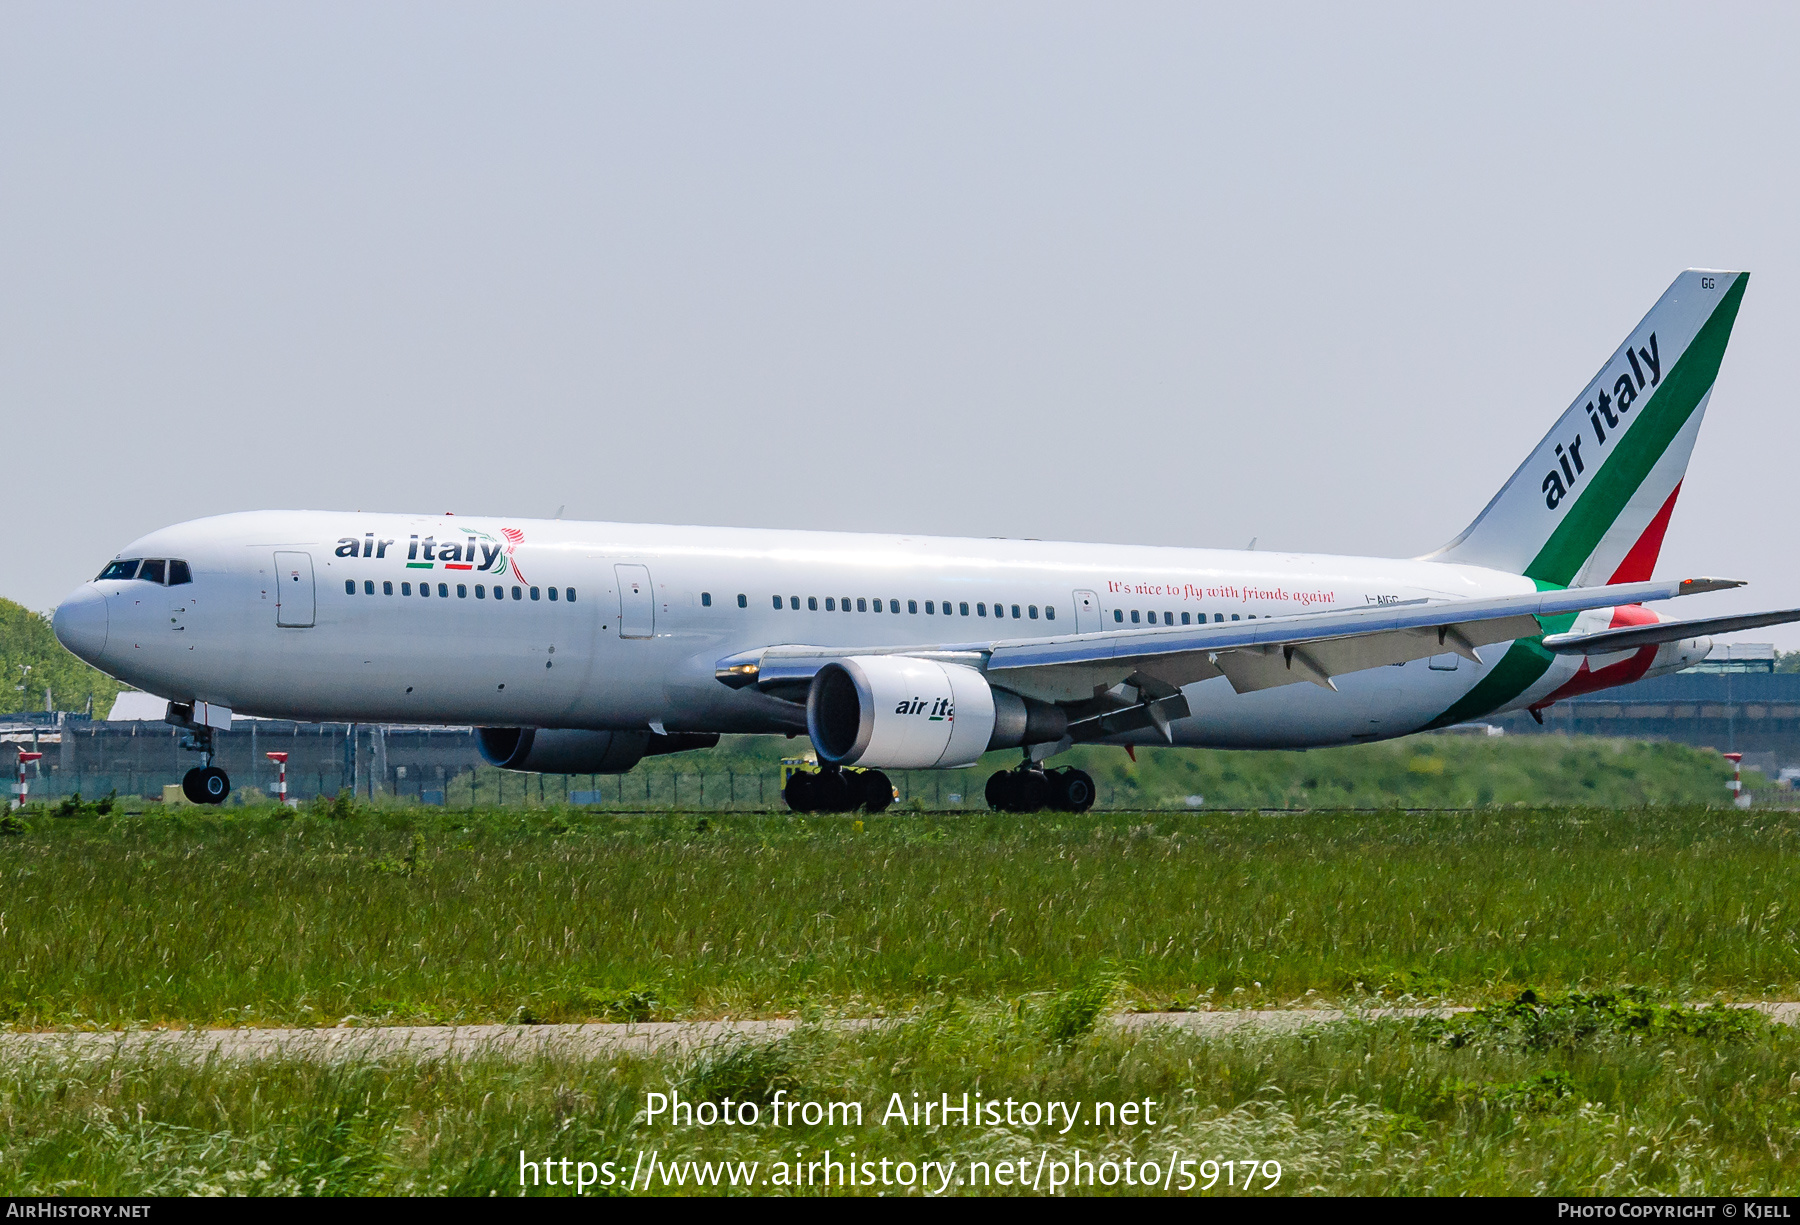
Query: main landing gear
{"x": 204, "y": 784}
{"x": 832, "y": 789}
{"x": 1030, "y": 788}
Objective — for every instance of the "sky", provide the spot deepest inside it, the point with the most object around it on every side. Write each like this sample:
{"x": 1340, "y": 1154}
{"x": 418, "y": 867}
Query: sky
{"x": 1162, "y": 274}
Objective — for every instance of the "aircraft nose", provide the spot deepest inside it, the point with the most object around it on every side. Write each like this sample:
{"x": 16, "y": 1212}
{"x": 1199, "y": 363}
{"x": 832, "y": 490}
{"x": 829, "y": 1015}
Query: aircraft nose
{"x": 81, "y": 623}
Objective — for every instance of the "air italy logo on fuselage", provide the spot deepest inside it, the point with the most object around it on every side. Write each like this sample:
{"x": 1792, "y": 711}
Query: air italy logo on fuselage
{"x": 469, "y": 550}
{"x": 1604, "y": 413}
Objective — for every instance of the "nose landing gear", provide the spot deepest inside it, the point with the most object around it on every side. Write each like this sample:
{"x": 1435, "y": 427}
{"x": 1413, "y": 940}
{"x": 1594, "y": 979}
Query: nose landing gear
{"x": 832, "y": 789}
{"x": 206, "y": 783}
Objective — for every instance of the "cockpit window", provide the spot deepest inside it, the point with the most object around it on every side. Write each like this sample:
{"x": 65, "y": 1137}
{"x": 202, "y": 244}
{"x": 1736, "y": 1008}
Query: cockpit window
{"x": 152, "y": 572}
{"x": 119, "y": 569}
{"x": 178, "y": 573}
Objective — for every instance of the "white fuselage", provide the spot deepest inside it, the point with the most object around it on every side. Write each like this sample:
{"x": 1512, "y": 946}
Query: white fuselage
{"x": 655, "y": 608}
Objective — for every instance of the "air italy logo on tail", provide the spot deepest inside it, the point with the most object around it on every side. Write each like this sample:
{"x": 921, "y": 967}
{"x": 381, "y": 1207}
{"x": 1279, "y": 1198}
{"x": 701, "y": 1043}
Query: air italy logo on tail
{"x": 467, "y": 550}
{"x": 1604, "y": 413}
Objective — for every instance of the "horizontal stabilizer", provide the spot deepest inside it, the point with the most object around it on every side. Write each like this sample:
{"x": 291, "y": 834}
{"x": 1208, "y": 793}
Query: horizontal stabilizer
{"x": 1631, "y": 637}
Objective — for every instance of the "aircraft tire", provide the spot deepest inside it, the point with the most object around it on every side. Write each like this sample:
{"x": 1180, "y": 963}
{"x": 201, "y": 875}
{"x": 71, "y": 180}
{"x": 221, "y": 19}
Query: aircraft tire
{"x": 877, "y": 791}
{"x": 999, "y": 792}
{"x": 799, "y": 791}
{"x": 1071, "y": 790}
{"x": 1032, "y": 791}
{"x": 835, "y": 791}
{"x": 206, "y": 785}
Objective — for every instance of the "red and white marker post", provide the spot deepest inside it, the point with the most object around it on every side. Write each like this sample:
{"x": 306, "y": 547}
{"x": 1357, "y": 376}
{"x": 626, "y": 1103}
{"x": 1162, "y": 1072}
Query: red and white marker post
{"x": 1739, "y": 796}
{"x": 21, "y": 788}
{"x": 280, "y": 760}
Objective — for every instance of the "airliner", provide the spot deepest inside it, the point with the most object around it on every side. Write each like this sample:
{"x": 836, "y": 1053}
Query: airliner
{"x": 583, "y": 648}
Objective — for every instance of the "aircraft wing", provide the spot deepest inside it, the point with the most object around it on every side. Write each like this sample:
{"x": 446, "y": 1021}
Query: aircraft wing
{"x": 1631, "y": 637}
{"x": 1154, "y": 662}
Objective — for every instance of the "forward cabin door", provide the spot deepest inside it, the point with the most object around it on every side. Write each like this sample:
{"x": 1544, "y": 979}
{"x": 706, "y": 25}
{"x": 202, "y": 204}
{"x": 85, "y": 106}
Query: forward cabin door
{"x": 295, "y": 602}
{"x": 1087, "y": 612}
{"x": 637, "y": 603}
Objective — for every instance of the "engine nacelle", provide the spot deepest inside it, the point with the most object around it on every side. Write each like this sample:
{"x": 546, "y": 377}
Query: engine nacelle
{"x": 570, "y": 751}
{"x": 897, "y": 712}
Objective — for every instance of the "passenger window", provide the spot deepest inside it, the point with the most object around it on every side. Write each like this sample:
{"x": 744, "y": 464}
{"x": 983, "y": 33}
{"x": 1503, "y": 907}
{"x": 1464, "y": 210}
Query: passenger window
{"x": 778, "y": 603}
{"x": 706, "y": 599}
{"x": 964, "y": 606}
{"x": 152, "y": 572}
{"x": 443, "y": 591}
{"x": 930, "y": 610}
{"x": 349, "y": 586}
{"x": 1217, "y": 617}
{"x": 425, "y": 589}
{"x": 1033, "y": 611}
{"x": 912, "y": 606}
{"x": 894, "y": 606}
{"x": 844, "y": 603}
{"x": 1016, "y": 612}
{"x": 534, "y": 595}
{"x": 118, "y": 569}
{"x": 862, "y": 606}
{"x": 179, "y": 574}
{"x": 480, "y": 592}
{"x": 1134, "y": 616}
{"x": 1168, "y": 618}
{"x": 981, "y": 610}
{"x": 812, "y": 603}
{"x": 517, "y": 594}
{"x": 405, "y": 588}
{"x": 569, "y": 595}
{"x": 1049, "y": 612}
{"x": 368, "y": 586}
{"x": 830, "y": 604}
{"x": 1234, "y": 616}
{"x": 1184, "y": 618}
{"x": 388, "y": 588}
{"x": 1118, "y": 614}
{"x": 794, "y": 603}
{"x": 1253, "y": 616}
{"x": 743, "y": 600}
{"x": 552, "y": 595}
{"x": 462, "y": 591}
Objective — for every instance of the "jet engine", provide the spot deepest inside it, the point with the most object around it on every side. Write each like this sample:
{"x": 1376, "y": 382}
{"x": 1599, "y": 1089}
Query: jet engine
{"x": 902, "y": 713}
{"x": 541, "y": 750}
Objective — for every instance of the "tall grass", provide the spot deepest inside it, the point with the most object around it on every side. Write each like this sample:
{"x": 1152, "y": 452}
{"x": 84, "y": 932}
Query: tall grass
{"x": 208, "y": 919}
{"x": 1385, "y": 1108}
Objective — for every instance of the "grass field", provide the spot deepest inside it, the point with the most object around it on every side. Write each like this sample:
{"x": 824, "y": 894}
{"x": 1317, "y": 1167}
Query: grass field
{"x": 203, "y": 919}
{"x": 1001, "y": 942}
{"x": 1579, "y": 1097}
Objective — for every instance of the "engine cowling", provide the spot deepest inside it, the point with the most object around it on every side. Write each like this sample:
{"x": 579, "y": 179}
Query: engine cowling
{"x": 540, "y": 750}
{"x": 902, "y": 713}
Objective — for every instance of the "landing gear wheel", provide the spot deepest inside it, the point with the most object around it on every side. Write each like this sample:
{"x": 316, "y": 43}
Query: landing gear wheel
{"x": 835, "y": 791}
{"x": 799, "y": 791}
{"x": 206, "y": 785}
{"x": 1071, "y": 790}
{"x": 876, "y": 789}
{"x": 1020, "y": 791}
{"x": 999, "y": 792}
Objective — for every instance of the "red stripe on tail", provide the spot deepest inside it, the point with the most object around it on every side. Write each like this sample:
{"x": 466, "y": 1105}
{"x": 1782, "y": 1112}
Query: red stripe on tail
{"x": 1641, "y": 560}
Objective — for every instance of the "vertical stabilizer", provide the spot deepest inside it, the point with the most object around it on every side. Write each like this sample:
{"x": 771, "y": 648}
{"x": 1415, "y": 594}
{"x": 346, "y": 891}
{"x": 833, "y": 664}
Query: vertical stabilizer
{"x": 1591, "y": 503}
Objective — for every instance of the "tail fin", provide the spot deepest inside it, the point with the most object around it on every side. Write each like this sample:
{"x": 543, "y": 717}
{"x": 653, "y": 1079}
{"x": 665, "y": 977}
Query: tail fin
{"x": 1591, "y": 503}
